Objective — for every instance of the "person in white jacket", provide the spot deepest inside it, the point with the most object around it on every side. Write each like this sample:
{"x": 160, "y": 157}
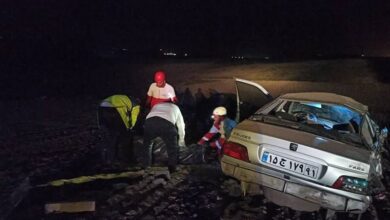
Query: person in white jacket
{"x": 165, "y": 121}
{"x": 160, "y": 91}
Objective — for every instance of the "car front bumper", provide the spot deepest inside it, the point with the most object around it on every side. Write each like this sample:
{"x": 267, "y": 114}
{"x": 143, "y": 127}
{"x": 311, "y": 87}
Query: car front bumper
{"x": 291, "y": 191}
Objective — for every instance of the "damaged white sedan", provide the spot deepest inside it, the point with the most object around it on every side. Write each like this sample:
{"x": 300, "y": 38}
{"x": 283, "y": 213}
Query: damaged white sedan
{"x": 305, "y": 150}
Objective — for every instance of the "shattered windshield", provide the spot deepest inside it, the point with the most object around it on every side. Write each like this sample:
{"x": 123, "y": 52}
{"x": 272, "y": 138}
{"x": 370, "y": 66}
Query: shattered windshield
{"x": 328, "y": 120}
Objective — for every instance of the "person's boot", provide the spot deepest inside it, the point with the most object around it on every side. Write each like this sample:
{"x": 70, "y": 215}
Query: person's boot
{"x": 106, "y": 157}
{"x": 205, "y": 153}
{"x": 213, "y": 155}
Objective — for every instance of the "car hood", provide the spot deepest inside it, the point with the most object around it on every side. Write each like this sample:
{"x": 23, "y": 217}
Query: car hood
{"x": 307, "y": 139}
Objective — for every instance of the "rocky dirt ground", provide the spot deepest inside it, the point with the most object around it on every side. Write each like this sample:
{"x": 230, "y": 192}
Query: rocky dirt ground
{"x": 58, "y": 143}
{"x": 47, "y": 138}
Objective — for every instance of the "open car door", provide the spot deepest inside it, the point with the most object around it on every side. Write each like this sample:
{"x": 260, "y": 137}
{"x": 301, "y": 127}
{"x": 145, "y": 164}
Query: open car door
{"x": 250, "y": 97}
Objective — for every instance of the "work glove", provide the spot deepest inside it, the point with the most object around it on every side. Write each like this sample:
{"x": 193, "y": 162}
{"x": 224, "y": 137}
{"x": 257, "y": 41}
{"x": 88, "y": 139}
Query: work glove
{"x": 201, "y": 142}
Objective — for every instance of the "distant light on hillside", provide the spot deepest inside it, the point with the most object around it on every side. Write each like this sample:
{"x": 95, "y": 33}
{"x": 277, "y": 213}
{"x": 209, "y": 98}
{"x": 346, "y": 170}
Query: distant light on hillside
{"x": 169, "y": 54}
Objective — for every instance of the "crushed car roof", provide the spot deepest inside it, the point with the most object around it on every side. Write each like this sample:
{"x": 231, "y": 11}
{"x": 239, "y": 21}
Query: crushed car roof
{"x": 327, "y": 98}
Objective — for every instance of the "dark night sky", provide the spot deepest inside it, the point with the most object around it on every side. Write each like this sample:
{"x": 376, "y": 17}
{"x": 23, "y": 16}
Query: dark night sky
{"x": 219, "y": 27}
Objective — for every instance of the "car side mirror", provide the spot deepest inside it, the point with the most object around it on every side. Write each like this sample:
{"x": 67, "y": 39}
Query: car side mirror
{"x": 383, "y": 135}
{"x": 384, "y": 131}
{"x": 381, "y": 139}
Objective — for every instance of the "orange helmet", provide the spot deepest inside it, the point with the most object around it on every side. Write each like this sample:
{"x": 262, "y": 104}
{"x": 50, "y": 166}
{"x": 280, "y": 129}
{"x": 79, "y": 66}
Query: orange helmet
{"x": 159, "y": 76}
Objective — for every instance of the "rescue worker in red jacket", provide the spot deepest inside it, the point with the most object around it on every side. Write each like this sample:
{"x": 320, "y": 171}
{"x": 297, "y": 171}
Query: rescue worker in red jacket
{"x": 160, "y": 91}
{"x": 219, "y": 131}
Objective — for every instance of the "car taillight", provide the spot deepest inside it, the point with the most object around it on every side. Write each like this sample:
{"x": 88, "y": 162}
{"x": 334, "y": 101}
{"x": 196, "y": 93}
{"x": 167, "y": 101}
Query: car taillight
{"x": 235, "y": 150}
{"x": 351, "y": 184}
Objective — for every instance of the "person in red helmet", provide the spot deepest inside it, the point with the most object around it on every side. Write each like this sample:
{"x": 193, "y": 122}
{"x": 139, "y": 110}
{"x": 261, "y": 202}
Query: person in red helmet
{"x": 160, "y": 91}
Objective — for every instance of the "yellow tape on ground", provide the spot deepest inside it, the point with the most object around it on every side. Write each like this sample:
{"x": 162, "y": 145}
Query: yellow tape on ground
{"x": 85, "y": 179}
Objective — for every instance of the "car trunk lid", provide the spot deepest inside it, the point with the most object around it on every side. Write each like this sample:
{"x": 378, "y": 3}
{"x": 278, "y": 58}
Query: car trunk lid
{"x": 302, "y": 153}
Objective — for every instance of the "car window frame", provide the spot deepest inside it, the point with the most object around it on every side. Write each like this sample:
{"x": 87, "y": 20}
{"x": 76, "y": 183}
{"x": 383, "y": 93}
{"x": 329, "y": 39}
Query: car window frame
{"x": 267, "y": 108}
{"x": 371, "y": 132}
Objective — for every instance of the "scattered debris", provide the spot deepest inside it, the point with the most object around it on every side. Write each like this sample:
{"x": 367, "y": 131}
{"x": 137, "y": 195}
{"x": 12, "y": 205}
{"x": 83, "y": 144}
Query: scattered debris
{"x": 70, "y": 207}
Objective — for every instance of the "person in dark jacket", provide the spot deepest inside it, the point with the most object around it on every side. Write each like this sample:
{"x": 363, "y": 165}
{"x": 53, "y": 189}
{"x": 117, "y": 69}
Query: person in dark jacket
{"x": 117, "y": 115}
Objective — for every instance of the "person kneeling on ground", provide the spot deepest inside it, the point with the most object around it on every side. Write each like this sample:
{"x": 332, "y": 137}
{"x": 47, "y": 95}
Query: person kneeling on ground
{"x": 218, "y": 133}
{"x": 165, "y": 121}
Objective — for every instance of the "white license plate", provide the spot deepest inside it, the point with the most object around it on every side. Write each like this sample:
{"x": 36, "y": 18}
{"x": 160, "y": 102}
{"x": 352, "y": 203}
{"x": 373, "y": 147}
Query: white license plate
{"x": 289, "y": 164}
